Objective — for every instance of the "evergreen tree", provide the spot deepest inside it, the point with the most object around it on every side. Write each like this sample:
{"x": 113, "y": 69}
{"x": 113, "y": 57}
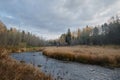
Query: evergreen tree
{"x": 68, "y": 37}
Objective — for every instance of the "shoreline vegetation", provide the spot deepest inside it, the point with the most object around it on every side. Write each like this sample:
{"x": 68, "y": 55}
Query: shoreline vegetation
{"x": 18, "y": 49}
{"x": 11, "y": 69}
{"x": 107, "y": 56}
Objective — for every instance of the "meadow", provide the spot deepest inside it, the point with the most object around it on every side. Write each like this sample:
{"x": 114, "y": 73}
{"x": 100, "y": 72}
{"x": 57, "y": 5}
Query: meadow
{"x": 108, "y": 56}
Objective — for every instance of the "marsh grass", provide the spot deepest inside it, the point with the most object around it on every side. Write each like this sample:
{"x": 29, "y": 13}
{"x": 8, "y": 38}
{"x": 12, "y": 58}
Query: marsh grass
{"x": 11, "y": 69}
{"x": 17, "y": 49}
{"x": 104, "y": 56}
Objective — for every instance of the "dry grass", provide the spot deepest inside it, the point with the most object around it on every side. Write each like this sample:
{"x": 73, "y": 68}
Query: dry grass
{"x": 11, "y": 69}
{"x": 105, "y": 56}
{"x": 18, "y": 49}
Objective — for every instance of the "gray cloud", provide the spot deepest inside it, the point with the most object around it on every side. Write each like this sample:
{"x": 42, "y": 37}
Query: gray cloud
{"x": 50, "y": 18}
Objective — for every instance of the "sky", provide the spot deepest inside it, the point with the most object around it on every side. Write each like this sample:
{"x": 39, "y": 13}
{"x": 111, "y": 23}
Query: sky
{"x": 50, "y": 18}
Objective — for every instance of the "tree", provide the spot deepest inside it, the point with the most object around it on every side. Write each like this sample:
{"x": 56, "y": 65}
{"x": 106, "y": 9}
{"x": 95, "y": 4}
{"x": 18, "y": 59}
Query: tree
{"x": 85, "y": 35}
{"x": 15, "y": 38}
{"x": 95, "y": 31}
{"x": 68, "y": 37}
{"x": 62, "y": 39}
{"x": 78, "y": 33}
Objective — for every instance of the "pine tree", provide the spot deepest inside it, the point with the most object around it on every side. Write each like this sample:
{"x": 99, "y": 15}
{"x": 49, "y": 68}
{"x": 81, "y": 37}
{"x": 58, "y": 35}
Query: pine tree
{"x": 68, "y": 37}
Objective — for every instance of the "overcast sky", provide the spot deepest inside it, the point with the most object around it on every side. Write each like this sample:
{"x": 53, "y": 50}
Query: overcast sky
{"x": 50, "y": 18}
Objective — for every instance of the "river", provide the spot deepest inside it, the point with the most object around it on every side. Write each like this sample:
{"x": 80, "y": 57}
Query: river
{"x": 62, "y": 70}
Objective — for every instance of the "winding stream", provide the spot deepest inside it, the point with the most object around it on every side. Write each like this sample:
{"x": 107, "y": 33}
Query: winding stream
{"x": 62, "y": 70}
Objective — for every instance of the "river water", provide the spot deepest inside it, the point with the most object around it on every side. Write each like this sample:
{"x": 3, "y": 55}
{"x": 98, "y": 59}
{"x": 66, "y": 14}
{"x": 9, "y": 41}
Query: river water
{"x": 62, "y": 70}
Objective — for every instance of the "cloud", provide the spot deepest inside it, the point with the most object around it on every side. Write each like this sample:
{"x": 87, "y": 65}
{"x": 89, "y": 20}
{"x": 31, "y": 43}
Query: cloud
{"x": 51, "y": 18}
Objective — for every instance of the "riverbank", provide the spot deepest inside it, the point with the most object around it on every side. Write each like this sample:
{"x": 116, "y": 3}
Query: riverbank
{"x": 25, "y": 49}
{"x": 105, "y": 56}
{"x": 10, "y": 69}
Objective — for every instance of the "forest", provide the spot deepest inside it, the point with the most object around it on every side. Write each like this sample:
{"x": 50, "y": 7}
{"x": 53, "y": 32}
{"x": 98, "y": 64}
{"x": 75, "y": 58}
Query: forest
{"x": 105, "y": 34}
{"x": 16, "y": 38}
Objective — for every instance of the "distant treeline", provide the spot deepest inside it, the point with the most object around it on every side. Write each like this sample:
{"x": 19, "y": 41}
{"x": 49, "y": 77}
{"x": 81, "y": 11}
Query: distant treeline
{"x": 106, "y": 34}
{"x": 15, "y": 38}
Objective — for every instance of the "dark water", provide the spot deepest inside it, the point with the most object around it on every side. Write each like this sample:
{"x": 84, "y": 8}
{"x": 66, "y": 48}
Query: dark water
{"x": 62, "y": 70}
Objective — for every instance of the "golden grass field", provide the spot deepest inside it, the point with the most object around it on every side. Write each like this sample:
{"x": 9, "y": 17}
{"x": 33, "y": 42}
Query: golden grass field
{"x": 99, "y": 55}
{"x": 11, "y": 69}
